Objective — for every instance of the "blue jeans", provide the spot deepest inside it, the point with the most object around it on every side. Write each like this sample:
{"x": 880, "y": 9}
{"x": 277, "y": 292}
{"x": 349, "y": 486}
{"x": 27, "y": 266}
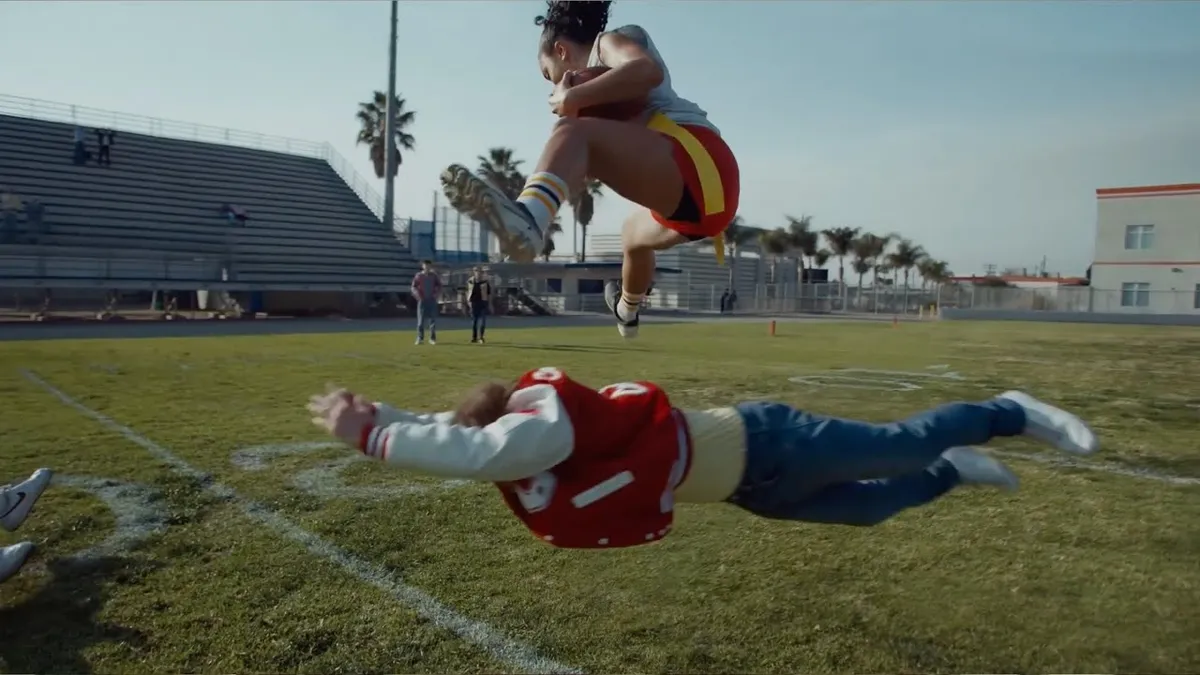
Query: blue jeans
{"x": 427, "y": 312}
{"x": 478, "y": 319}
{"x": 801, "y": 466}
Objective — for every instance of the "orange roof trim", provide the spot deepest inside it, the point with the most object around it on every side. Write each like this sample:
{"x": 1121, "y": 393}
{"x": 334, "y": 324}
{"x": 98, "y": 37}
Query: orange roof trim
{"x": 1148, "y": 190}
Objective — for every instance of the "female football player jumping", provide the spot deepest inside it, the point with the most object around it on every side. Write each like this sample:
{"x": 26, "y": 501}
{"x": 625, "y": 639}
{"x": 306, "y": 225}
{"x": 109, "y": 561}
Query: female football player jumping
{"x": 671, "y": 161}
{"x": 583, "y": 468}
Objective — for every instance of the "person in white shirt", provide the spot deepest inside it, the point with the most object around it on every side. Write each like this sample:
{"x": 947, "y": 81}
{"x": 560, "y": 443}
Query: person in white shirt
{"x": 15, "y": 503}
{"x": 666, "y": 156}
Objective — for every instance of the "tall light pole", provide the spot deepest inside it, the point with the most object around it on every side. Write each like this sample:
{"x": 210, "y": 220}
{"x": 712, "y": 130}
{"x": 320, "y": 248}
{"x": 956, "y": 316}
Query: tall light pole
{"x": 389, "y": 128}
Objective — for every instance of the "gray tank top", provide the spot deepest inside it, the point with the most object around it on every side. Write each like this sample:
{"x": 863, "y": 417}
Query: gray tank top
{"x": 662, "y": 98}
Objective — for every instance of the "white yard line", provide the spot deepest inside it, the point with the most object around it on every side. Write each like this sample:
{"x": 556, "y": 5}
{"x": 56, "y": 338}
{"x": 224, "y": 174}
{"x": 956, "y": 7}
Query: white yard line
{"x": 508, "y": 651}
{"x": 1104, "y": 467}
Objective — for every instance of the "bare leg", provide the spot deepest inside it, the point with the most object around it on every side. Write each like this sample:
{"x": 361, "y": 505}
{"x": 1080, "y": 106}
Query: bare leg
{"x": 641, "y": 236}
{"x": 632, "y": 160}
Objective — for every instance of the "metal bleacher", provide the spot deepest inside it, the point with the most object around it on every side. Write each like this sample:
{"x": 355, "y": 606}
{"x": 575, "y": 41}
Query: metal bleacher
{"x": 153, "y": 218}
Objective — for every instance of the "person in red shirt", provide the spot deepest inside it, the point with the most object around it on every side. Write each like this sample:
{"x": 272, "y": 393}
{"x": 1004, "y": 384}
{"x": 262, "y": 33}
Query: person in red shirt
{"x": 585, "y": 468}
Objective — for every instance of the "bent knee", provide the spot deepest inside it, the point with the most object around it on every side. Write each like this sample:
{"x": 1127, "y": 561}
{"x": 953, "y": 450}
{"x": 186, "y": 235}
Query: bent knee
{"x": 570, "y": 126}
{"x": 641, "y": 232}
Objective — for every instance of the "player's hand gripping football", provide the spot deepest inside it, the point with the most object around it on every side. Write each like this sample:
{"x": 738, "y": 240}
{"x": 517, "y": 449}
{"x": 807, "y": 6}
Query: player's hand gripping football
{"x": 342, "y": 413}
{"x": 562, "y": 102}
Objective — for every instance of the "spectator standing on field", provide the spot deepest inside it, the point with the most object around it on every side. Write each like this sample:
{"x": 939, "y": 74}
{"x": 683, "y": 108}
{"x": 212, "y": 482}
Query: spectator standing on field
{"x": 479, "y": 297}
{"x": 426, "y": 289}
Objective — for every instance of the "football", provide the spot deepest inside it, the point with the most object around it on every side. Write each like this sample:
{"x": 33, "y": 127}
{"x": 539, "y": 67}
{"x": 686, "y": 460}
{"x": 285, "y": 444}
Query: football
{"x": 617, "y": 110}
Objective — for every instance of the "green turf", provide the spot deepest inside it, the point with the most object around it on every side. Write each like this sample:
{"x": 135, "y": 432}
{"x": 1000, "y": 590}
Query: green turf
{"x": 1080, "y": 571}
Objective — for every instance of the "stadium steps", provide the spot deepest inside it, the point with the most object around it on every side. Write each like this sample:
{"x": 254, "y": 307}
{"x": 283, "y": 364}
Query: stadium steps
{"x": 163, "y": 196}
{"x": 528, "y": 301}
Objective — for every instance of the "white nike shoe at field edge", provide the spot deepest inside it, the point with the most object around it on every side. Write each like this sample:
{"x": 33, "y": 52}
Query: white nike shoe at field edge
{"x": 12, "y": 558}
{"x": 1053, "y": 425}
{"x": 515, "y": 228}
{"x": 976, "y": 468}
{"x": 17, "y": 500}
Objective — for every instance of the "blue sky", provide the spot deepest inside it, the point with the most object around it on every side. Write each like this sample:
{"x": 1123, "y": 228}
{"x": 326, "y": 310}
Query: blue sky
{"x": 979, "y": 129}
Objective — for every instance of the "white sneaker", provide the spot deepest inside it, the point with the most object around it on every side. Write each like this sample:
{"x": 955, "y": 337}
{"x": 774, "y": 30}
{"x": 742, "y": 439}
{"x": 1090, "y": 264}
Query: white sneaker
{"x": 612, "y": 298}
{"x": 17, "y": 500}
{"x": 518, "y": 233}
{"x": 976, "y": 468}
{"x": 419, "y": 342}
{"x": 13, "y": 557}
{"x": 433, "y": 342}
{"x": 1054, "y": 425}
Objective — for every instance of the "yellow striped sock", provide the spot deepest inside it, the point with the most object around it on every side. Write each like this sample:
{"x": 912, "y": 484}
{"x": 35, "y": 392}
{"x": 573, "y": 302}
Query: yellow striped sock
{"x": 543, "y": 196}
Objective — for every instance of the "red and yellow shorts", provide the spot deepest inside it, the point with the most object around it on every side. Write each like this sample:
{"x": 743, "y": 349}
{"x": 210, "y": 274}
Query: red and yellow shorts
{"x": 710, "y": 172}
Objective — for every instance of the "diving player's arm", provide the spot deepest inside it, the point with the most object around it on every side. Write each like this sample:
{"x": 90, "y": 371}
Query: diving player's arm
{"x": 534, "y": 438}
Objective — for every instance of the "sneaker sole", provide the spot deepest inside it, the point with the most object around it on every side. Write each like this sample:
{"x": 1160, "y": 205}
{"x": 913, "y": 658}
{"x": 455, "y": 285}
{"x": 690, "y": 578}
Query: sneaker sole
{"x": 611, "y": 299}
{"x": 474, "y": 195}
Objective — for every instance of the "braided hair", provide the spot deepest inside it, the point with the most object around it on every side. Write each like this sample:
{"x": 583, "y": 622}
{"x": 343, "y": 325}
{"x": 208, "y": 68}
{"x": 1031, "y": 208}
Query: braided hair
{"x": 579, "y": 21}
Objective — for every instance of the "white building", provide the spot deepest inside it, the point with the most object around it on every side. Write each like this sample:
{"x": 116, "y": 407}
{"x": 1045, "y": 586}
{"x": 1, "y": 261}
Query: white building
{"x": 701, "y": 281}
{"x": 1147, "y": 249}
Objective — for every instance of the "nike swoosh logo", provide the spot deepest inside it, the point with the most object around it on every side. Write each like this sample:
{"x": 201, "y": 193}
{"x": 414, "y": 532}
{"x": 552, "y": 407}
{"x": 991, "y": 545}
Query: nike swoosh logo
{"x": 20, "y": 500}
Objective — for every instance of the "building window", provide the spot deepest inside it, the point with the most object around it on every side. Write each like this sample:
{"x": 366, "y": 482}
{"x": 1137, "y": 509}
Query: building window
{"x": 1139, "y": 237}
{"x": 590, "y": 287}
{"x": 1135, "y": 295}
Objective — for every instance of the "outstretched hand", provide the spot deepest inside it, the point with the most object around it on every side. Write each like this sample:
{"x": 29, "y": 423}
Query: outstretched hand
{"x": 342, "y": 413}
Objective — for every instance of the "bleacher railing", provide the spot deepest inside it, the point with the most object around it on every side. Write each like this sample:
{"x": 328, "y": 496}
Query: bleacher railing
{"x": 52, "y": 111}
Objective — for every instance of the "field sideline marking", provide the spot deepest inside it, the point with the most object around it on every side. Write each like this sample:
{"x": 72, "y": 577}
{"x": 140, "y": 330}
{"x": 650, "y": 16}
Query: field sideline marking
{"x": 1105, "y": 467}
{"x": 503, "y": 648}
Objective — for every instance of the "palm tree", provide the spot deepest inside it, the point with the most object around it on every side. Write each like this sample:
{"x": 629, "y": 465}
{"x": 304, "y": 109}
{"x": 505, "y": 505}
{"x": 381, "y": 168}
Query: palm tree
{"x": 499, "y": 168}
{"x": 906, "y": 256}
{"x": 820, "y": 257}
{"x": 864, "y": 253}
{"x": 801, "y": 240}
{"x": 548, "y": 243}
{"x": 776, "y": 243}
{"x": 861, "y": 266}
{"x": 871, "y": 248}
{"x": 935, "y": 272}
{"x": 841, "y": 243}
{"x": 737, "y": 235}
{"x": 583, "y": 207}
{"x": 372, "y": 115}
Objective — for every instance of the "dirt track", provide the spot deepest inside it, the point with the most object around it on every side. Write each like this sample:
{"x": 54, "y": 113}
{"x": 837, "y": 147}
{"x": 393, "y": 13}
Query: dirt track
{"x": 200, "y": 328}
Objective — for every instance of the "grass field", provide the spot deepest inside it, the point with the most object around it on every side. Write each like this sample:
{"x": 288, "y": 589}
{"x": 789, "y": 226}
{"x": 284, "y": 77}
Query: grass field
{"x": 173, "y": 544}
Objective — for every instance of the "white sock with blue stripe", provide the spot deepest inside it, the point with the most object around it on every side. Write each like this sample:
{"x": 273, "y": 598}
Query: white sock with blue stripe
{"x": 543, "y": 196}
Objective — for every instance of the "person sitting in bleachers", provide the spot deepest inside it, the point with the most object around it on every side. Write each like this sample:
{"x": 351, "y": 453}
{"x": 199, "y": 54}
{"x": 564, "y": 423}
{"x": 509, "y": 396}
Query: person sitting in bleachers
{"x": 81, "y": 151}
{"x": 10, "y": 206}
{"x": 35, "y": 212}
{"x": 234, "y": 214}
{"x": 104, "y": 141}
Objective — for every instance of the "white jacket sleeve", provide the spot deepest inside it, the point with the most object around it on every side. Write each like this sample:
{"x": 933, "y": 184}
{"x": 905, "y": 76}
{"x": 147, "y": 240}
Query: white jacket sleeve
{"x": 534, "y": 436}
{"x": 386, "y": 414}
